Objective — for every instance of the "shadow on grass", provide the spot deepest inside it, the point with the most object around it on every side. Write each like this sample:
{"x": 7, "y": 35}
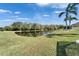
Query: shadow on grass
{"x": 65, "y": 35}
{"x": 62, "y": 46}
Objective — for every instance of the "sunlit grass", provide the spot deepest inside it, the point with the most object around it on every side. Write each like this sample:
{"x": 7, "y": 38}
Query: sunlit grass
{"x": 12, "y": 44}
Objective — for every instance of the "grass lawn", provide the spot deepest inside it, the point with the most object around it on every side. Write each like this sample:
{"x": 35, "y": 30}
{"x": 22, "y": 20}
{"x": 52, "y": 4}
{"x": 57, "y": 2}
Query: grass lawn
{"x": 67, "y": 48}
{"x": 12, "y": 44}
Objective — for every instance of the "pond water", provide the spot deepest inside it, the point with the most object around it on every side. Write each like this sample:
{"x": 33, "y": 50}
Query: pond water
{"x": 34, "y": 34}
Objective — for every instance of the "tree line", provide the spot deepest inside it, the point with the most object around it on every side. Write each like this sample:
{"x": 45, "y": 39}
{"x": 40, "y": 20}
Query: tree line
{"x": 20, "y": 26}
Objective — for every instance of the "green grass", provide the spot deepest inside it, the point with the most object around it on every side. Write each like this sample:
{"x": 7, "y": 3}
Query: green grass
{"x": 14, "y": 45}
{"x": 67, "y": 48}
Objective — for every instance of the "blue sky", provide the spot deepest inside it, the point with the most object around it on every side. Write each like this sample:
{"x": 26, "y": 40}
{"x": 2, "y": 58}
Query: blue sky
{"x": 42, "y": 13}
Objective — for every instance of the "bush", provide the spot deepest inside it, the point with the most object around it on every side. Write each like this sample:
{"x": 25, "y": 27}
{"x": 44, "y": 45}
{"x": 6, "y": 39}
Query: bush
{"x": 67, "y": 49}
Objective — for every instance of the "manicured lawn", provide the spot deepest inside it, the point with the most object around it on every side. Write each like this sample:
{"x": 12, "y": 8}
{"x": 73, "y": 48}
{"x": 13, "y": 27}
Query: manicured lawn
{"x": 12, "y": 44}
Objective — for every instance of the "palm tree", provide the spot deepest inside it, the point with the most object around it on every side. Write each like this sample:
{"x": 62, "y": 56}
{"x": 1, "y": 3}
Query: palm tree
{"x": 70, "y": 18}
{"x": 66, "y": 14}
{"x": 71, "y": 9}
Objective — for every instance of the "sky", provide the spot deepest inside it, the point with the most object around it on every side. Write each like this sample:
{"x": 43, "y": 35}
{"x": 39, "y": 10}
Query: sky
{"x": 42, "y": 13}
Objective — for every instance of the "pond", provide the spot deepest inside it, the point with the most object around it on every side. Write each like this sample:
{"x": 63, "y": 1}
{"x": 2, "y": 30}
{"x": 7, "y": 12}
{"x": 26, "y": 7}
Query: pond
{"x": 30, "y": 34}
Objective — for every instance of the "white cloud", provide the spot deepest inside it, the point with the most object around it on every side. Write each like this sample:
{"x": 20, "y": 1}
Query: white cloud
{"x": 59, "y": 5}
{"x": 21, "y": 18}
{"x": 45, "y": 15}
{"x": 14, "y": 19}
{"x": 17, "y": 12}
{"x": 53, "y": 5}
{"x": 42, "y": 4}
{"x": 5, "y": 11}
{"x": 57, "y": 11}
{"x": 16, "y": 16}
{"x": 6, "y": 20}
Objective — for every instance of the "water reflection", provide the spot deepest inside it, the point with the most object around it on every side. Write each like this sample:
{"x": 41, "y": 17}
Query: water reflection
{"x": 30, "y": 34}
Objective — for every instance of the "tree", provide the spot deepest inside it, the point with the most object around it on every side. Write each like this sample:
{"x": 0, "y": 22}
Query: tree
{"x": 1, "y": 29}
{"x": 34, "y": 27}
{"x": 70, "y": 18}
{"x": 66, "y": 14}
{"x": 7, "y": 28}
{"x": 24, "y": 27}
{"x": 17, "y": 26}
{"x": 71, "y": 9}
